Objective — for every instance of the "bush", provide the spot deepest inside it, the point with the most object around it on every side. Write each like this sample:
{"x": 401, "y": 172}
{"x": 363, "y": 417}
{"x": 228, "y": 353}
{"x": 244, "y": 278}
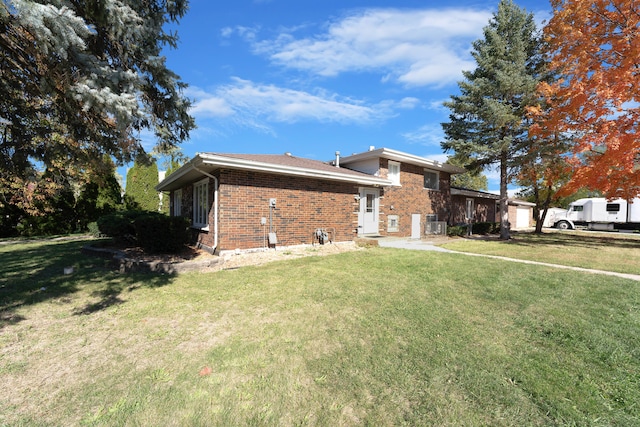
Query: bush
{"x": 158, "y": 233}
{"x": 119, "y": 225}
{"x": 93, "y": 229}
{"x": 486, "y": 227}
{"x": 457, "y": 230}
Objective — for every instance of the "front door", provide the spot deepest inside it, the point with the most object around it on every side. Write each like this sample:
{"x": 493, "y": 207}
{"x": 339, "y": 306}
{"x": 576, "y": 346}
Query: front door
{"x": 369, "y": 210}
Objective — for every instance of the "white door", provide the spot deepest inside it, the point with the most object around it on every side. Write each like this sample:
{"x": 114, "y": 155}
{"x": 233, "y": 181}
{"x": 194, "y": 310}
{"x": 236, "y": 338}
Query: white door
{"x": 369, "y": 210}
{"x": 415, "y": 226}
{"x": 522, "y": 217}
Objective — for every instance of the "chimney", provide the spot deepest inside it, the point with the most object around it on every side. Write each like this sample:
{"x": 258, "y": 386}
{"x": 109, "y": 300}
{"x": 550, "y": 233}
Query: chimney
{"x": 337, "y": 163}
{"x": 371, "y": 148}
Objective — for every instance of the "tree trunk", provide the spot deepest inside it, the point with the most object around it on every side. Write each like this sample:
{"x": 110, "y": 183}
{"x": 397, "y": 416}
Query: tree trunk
{"x": 545, "y": 209}
{"x": 504, "y": 196}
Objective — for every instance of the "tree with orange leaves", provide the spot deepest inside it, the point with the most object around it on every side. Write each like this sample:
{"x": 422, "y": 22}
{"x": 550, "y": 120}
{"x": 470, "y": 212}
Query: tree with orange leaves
{"x": 595, "y": 46}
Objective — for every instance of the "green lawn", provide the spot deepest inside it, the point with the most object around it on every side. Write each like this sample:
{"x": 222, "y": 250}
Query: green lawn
{"x": 619, "y": 252}
{"x": 371, "y": 337}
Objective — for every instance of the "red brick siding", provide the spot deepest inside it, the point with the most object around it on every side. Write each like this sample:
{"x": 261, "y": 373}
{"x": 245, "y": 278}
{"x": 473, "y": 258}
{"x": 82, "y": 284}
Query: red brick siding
{"x": 412, "y": 198}
{"x": 485, "y": 210}
{"x": 302, "y": 205}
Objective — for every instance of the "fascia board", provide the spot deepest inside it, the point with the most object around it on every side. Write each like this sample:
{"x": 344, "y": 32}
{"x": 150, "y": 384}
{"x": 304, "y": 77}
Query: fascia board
{"x": 175, "y": 176}
{"x": 473, "y": 193}
{"x": 399, "y": 156}
{"x": 242, "y": 164}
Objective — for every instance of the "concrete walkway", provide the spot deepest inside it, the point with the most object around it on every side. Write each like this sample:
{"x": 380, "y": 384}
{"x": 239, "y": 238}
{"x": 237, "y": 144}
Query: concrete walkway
{"x": 432, "y": 245}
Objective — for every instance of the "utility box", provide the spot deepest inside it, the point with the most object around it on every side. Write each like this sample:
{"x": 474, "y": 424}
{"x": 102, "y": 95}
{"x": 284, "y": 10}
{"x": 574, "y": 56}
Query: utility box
{"x": 272, "y": 203}
{"x": 273, "y": 239}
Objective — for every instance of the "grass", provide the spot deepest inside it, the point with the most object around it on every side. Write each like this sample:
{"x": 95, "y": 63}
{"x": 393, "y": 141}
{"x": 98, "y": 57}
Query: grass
{"x": 372, "y": 337}
{"x": 601, "y": 251}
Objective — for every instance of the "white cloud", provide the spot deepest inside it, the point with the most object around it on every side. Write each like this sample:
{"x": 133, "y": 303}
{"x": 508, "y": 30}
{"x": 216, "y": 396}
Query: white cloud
{"x": 212, "y": 106}
{"x": 249, "y": 104}
{"x": 408, "y": 103}
{"x": 431, "y": 135}
{"x": 438, "y": 157}
{"x": 424, "y": 47}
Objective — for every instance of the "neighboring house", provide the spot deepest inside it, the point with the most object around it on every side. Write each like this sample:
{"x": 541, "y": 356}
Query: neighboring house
{"x": 479, "y": 206}
{"x": 246, "y": 201}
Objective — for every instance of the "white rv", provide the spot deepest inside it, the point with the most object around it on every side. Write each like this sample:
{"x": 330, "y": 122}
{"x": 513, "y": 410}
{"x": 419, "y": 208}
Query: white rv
{"x": 599, "y": 214}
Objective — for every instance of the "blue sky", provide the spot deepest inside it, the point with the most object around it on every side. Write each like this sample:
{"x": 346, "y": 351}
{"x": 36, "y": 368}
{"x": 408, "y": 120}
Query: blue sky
{"x": 312, "y": 78}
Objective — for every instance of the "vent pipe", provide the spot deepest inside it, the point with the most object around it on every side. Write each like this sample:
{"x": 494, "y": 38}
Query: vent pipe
{"x": 337, "y": 159}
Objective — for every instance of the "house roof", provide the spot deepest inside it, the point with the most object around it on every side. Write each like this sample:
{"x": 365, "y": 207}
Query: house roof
{"x": 282, "y": 164}
{"x": 518, "y": 202}
{"x": 460, "y": 191}
{"x": 387, "y": 153}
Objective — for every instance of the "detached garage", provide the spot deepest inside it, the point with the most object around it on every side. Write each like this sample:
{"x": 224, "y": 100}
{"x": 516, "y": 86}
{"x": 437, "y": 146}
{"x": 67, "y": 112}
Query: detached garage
{"x": 520, "y": 214}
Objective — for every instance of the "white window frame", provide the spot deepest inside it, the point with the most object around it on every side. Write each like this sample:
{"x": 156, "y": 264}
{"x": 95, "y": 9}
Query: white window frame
{"x": 394, "y": 172}
{"x": 469, "y": 209}
{"x": 393, "y": 223}
{"x": 437, "y": 175}
{"x": 201, "y": 204}
{"x": 177, "y": 202}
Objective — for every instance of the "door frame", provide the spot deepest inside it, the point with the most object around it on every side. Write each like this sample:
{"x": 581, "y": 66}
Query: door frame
{"x": 373, "y": 226}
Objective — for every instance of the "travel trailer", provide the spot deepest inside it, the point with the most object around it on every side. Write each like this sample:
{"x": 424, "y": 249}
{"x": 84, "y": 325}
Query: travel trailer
{"x": 599, "y": 213}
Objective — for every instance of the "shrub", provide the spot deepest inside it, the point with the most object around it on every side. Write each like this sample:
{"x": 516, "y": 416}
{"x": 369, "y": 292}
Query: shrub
{"x": 159, "y": 233}
{"x": 119, "y": 225}
{"x": 486, "y": 227}
{"x": 93, "y": 229}
{"x": 457, "y": 230}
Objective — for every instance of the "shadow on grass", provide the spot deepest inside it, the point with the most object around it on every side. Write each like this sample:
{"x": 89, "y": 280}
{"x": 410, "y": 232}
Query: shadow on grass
{"x": 34, "y": 272}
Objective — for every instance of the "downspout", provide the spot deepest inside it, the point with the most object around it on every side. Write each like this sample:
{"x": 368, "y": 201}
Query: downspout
{"x": 215, "y": 207}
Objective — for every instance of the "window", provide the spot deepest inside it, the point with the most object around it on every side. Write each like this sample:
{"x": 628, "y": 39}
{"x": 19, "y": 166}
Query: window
{"x": 369, "y": 205}
{"x": 431, "y": 180}
{"x": 394, "y": 172}
{"x": 432, "y": 217}
{"x": 469, "y": 211}
{"x": 201, "y": 203}
{"x": 392, "y": 224}
{"x": 177, "y": 203}
{"x": 613, "y": 207}
{"x": 578, "y": 208}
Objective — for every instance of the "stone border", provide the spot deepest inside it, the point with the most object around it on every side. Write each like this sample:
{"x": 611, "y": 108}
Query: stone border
{"x": 126, "y": 265}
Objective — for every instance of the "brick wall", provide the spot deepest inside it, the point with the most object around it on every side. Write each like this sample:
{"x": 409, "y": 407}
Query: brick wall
{"x": 302, "y": 205}
{"x": 412, "y": 198}
{"x": 485, "y": 210}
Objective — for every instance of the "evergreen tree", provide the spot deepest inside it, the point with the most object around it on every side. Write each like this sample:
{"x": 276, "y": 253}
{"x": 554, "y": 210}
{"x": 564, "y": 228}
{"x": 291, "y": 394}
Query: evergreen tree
{"x": 488, "y": 119}
{"x": 141, "y": 181}
{"x": 79, "y": 80}
{"x": 100, "y": 196}
{"x": 472, "y": 179}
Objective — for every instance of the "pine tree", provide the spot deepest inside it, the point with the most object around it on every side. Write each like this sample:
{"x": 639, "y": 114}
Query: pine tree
{"x": 79, "y": 80}
{"x": 488, "y": 118}
{"x": 472, "y": 179}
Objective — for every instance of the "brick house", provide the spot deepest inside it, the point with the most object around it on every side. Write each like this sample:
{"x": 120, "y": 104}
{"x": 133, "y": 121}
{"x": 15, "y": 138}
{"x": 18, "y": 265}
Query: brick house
{"x": 479, "y": 206}
{"x": 246, "y": 201}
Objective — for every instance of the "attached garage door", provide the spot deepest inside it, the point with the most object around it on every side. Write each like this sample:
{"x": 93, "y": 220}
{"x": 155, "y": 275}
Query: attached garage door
{"x": 522, "y": 217}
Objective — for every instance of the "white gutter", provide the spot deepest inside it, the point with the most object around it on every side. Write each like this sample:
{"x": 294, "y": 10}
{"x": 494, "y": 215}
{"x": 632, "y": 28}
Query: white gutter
{"x": 399, "y": 156}
{"x": 215, "y": 207}
{"x": 338, "y": 175}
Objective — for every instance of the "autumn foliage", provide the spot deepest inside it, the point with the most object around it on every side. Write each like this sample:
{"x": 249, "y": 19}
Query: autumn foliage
{"x": 595, "y": 47}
